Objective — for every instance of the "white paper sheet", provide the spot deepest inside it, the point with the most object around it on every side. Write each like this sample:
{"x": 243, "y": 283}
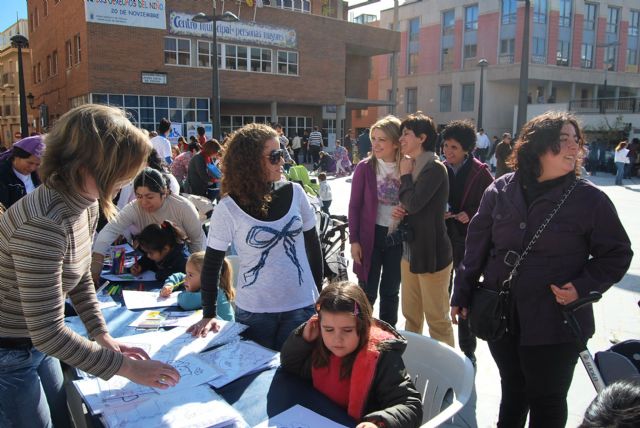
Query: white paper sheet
{"x": 157, "y": 319}
{"x": 127, "y": 277}
{"x": 299, "y": 417}
{"x": 148, "y": 299}
{"x": 235, "y": 360}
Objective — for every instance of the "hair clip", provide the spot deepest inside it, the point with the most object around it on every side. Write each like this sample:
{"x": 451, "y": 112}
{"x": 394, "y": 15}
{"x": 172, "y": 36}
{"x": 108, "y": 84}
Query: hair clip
{"x": 356, "y": 309}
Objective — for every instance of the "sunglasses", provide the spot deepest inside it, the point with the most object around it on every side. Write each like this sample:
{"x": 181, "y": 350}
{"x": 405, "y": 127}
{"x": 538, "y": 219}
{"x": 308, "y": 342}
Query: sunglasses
{"x": 275, "y": 156}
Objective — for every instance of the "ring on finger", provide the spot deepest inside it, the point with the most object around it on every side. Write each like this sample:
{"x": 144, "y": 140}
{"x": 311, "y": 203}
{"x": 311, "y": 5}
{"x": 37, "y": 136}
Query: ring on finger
{"x": 163, "y": 379}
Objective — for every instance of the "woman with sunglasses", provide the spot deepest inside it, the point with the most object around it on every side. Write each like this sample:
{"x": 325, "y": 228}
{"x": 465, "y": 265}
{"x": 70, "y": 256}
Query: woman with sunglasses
{"x": 272, "y": 227}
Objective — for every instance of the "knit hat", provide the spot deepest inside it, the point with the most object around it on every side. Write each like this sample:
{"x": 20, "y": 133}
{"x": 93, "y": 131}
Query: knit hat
{"x": 33, "y": 145}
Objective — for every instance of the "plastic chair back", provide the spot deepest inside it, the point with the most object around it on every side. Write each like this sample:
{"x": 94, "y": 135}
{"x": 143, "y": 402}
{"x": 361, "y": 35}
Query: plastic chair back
{"x": 437, "y": 369}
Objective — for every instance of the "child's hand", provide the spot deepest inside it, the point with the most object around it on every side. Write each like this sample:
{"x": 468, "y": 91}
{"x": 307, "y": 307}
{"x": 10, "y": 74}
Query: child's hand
{"x": 136, "y": 269}
{"x": 166, "y": 291}
{"x": 311, "y": 329}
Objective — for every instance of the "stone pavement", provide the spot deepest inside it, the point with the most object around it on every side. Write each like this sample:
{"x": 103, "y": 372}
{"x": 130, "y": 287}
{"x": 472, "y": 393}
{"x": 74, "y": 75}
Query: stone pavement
{"x": 617, "y": 314}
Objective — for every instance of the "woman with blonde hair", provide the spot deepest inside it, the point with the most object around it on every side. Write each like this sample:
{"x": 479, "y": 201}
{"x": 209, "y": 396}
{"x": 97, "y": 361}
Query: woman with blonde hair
{"x": 621, "y": 161}
{"x": 45, "y": 253}
{"x": 374, "y": 196}
{"x": 272, "y": 227}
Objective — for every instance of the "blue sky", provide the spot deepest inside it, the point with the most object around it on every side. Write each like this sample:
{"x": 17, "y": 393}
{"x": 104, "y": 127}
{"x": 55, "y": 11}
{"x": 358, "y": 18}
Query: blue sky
{"x": 9, "y": 9}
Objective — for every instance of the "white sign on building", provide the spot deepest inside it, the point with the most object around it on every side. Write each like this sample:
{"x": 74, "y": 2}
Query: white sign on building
{"x": 247, "y": 32}
{"x": 131, "y": 13}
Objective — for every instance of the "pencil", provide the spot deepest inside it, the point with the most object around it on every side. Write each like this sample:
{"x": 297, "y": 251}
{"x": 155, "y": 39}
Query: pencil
{"x": 177, "y": 284}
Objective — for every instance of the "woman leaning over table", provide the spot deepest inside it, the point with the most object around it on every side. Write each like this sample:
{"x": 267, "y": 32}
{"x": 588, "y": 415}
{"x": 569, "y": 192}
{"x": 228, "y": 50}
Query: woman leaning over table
{"x": 584, "y": 248}
{"x": 45, "y": 254}
{"x": 272, "y": 227}
{"x": 154, "y": 203}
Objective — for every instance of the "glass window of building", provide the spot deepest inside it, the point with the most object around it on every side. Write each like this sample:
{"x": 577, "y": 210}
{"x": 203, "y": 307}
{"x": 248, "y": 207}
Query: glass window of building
{"x": 610, "y": 57}
{"x": 261, "y": 60}
{"x": 586, "y": 55}
{"x": 508, "y": 13}
{"x": 413, "y": 46}
{"x": 204, "y": 53}
{"x": 632, "y": 57}
{"x": 507, "y": 46}
{"x": 445, "y": 98}
{"x": 467, "y": 102}
{"x": 539, "y": 50}
{"x": 634, "y": 23}
{"x": 565, "y": 13}
{"x": 411, "y": 100}
{"x": 540, "y": 11}
{"x": 288, "y": 63}
{"x": 177, "y": 51}
{"x": 470, "y": 51}
{"x": 446, "y": 59}
{"x": 562, "y": 53}
{"x": 590, "y": 16}
{"x": 448, "y": 21}
{"x": 471, "y": 18}
{"x": 612, "y": 20}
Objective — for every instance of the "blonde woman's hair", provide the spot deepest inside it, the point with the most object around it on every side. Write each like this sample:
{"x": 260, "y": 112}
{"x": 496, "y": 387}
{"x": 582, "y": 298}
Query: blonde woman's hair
{"x": 197, "y": 260}
{"x": 97, "y": 140}
{"x": 621, "y": 145}
{"x": 390, "y": 126}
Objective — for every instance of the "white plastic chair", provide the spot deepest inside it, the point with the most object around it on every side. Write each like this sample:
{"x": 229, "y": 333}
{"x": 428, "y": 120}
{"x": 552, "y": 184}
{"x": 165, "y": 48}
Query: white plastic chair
{"x": 436, "y": 368}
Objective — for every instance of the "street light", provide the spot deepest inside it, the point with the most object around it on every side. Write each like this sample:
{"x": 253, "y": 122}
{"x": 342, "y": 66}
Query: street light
{"x": 524, "y": 70}
{"x": 19, "y": 41}
{"x": 482, "y": 64}
{"x": 215, "y": 82}
{"x": 606, "y": 61}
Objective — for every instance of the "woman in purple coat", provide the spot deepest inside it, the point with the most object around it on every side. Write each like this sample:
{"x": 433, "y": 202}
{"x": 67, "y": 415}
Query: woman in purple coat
{"x": 374, "y": 196}
{"x": 584, "y": 248}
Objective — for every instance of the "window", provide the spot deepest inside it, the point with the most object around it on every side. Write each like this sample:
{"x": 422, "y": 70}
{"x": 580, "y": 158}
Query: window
{"x": 31, "y": 23}
{"x": 507, "y": 46}
{"x": 288, "y": 63}
{"x": 49, "y": 65}
{"x": 177, "y": 51}
{"x": 508, "y": 11}
{"x": 261, "y": 60}
{"x": 413, "y": 46}
{"x": 562, "y": 54}
{"x": 471, "y": 18}
{"x": 470, "y": 51}
{"x": 45, "y": 7}
{"x": 303, "y": 6}
{"x": 610, "y": 57}
{"x": 590, "y": 16}
{"x": 34, "y": 75}
{"x": 69, "y": 54}
{"x": 540, "y": 11}
{"x": 412, "y": 63}
{"x": 76, "y": 43}
{"x": 39, "y": 72}
{"x": 447, "y": 59}
{"x": 412, "y": 100}
{"x": 632, "y": 57}
{"x": 586, "y": 55}
{"x": 36, "y": 14}
{"x": 54, "y": 63}
{"x": 236, "y": 57}
{"x": 468, "y": 97}
{"x": 612, "y": 20}
{"x": 539, "y": 48}
{"x": 565, "y": 13}
{"x": 448, "y": 22}
{"x": 634, "y": 23}
{"x": 204, "y": 53}
{"x": 445, "y": 98}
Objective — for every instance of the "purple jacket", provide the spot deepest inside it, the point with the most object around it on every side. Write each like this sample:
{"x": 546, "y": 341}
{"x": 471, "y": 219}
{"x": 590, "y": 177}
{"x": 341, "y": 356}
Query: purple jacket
{"x": 363, "y": 208}
{"x": 585, "y": 244}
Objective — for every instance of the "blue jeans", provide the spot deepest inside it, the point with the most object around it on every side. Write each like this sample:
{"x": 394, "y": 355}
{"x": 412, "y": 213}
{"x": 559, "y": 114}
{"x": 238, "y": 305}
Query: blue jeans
{"x": 272, "y": 329}
{"x": 386, "y": 260}
{"x": 619, "y": 173}
{"x": 31, "y": 390}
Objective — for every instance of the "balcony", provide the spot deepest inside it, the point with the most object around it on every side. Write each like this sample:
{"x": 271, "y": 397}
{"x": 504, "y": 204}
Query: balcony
{"x": 7, "y": 80}
{"x": 506, "y": 59}
{"x": 605, "y": 105}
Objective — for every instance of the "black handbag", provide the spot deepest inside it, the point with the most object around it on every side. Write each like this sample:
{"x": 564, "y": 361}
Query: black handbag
{"x": 489, "y": 310}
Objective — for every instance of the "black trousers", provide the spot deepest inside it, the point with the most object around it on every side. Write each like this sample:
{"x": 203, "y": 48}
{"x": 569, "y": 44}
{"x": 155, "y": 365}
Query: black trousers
{"x": 534, "y": 379}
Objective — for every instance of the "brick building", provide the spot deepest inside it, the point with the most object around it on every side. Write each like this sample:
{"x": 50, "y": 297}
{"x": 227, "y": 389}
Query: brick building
{"x": 155, "y": 61}
{"x": 572, "y": 42}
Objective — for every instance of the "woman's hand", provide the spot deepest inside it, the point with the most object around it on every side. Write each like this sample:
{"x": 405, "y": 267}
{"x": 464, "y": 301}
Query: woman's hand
{"x": 406, "y": 165}
{"x": 311, "y": 329}
{"x": 166, "y": 291}
{"x": 565, "y": 294}
{"x": 462, "y": 217}
{"x": 398, "y": 212}
{"x": 202, "y": 327}
{"x": 136, "y": 269}
{"x": 106, "y": 341}
{"x": 356, "y": 253}
{"x": 458, "y": 313}
{"x": 149, "y": 373}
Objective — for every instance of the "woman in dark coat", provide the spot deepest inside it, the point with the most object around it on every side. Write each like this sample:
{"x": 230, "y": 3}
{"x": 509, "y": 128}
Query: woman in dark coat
{"x": 584, "y": 248}
{"x": 18, "y": 169}
{"x": 198, "y": 175}
{"x": 468, "y": 179}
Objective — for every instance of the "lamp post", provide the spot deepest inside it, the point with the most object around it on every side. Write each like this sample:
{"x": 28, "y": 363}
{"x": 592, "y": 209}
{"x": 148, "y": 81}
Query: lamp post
{"x": 607, "y": 62}
{"x": 524, "y": 70}
{"x": 215, "y": 81}
{"x": 482, "y": 64}
{"x": 19, "y": 41}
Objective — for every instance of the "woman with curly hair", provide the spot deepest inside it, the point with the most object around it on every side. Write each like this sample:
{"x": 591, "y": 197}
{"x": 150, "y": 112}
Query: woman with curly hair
{"x": 272, "y": 227}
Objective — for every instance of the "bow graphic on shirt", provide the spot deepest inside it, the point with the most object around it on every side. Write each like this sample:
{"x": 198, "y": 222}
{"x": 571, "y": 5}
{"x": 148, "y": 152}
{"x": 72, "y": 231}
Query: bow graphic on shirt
{"x": 287, "y": 235}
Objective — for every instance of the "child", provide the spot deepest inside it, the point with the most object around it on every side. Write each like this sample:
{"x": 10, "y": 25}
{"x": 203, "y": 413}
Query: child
{"x": 163, "y": 246}
{"x": 354, "y": 360}
{"x": 325, "y": 192}
{"x": 190, "y": 299}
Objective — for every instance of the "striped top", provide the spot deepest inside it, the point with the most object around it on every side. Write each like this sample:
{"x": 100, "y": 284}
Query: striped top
{"x": 45, "y": 256}
{"x": 315, "y": 139}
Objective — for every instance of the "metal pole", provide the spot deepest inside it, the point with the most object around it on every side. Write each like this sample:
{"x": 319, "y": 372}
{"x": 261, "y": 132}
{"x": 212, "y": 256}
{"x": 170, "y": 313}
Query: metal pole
{"x": 19, "y": 41}
{"x": 215, "y": 83}
{"x": 394, "y": 63}
{"x": 480, "y": 97}
{"x": 524, "y": 71}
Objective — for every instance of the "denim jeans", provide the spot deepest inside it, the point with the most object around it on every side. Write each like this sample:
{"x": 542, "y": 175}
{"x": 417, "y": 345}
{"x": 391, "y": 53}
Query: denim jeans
{"x": 619, "y": 172}
{"x": 31, "y": 390}
{"x": 272, "y": 329}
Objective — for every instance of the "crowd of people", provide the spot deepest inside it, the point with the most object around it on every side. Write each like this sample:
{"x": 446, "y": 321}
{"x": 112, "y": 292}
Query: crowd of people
{"x": 426, "y": 217}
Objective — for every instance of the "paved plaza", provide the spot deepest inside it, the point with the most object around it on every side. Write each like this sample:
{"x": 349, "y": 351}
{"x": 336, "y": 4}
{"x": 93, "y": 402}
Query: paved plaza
{"x": 617, "y": 314}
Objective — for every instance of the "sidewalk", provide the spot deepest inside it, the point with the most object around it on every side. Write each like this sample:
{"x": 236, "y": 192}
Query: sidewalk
{"x": 617, "y": 315}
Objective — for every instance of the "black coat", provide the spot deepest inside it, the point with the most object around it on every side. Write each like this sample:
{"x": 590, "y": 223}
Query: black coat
{"x": 11, "y": 187}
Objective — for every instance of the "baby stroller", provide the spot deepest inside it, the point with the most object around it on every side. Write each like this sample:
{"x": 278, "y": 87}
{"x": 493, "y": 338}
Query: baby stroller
{"x": 333, "y": 238}
{"x": 621, "y": 361}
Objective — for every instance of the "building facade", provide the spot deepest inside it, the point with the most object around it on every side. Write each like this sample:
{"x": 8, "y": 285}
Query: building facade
{"x": 580, "y": 52}
{"x": 153, "y": 60}
{"x": 9, "y": 89}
